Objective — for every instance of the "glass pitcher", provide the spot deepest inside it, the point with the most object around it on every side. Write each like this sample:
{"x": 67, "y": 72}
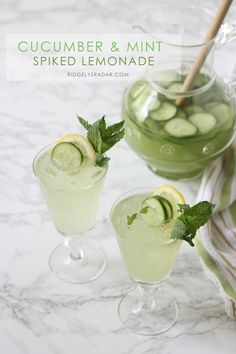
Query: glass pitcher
{"x": 178, "y": 141}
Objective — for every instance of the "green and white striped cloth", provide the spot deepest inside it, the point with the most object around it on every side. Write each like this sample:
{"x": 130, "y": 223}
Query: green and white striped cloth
{"x": 216, "y": 241}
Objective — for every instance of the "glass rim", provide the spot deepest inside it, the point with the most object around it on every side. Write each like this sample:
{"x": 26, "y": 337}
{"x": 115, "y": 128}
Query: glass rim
{"x": 188, "y": 93}
{"x": 121, "y": 197}
{"x": 63, "y": 189}
{"x": 195, "y": 5}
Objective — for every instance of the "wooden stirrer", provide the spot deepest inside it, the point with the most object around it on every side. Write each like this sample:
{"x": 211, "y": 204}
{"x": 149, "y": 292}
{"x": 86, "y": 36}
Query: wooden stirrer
{"x": 212, "y": 32}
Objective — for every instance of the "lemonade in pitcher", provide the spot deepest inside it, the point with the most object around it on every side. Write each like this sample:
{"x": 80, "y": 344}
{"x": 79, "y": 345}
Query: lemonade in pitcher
{"x": 178, "y": 141}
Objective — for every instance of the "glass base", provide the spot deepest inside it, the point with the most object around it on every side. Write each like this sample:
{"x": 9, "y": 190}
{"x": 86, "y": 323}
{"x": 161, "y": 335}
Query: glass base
{"x": 78, "y": 268}
{"x": 148, "y": 321}
{"x": 183, "y": 176}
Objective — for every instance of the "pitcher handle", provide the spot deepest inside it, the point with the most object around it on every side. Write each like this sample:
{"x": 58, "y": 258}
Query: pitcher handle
{"x": 226, "y": 34}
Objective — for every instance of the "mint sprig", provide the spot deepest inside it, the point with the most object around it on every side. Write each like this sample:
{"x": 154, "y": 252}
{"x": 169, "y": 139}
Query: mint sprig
{"x": 133, "y": 217}
{"x": 187, "y": 224}
{"x": 190, "y": 220}
{"x": 102, "y": 137}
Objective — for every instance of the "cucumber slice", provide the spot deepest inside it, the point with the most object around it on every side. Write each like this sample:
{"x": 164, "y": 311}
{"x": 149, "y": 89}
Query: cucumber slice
{"x": 224, "y": 114}
{"x": 193, "y": 109}
{"x": 201, "y": 80}
{"x": 67, "y": 157}
{"x": 141, "y": 105}
{"x": 153, "y": 211}
{"x": 169, "y": 209}
{"x": 154, "y": 105}
{"x": 166, "y": 77}
{"x": 137, "y": 89}
{"x": 175, "y": 87}
{"x": 220, "y": 111}
{"x": 152, "y": 125}
{"x": 208, "y": 106}
{"x": 165, "y": 112}
{"x": 180, "y": 113}
{"x": 180, "y": 128}
{"x": 205, "y": 122}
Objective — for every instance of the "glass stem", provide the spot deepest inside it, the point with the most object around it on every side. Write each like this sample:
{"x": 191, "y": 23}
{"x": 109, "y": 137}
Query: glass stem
{"x": 147, "y": 293}
{"x": 75, "y": 244}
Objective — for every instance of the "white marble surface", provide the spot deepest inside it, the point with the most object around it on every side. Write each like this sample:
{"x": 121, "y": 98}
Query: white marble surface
{"x": 38, "y": 313}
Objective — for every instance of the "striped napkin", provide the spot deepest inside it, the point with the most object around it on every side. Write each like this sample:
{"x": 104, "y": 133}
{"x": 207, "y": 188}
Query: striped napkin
{"x": 216, "y": 241}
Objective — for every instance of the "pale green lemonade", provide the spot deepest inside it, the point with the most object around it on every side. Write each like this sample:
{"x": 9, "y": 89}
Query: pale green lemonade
{"x": 147, "y": 251}
{"x": 72, "y": 198}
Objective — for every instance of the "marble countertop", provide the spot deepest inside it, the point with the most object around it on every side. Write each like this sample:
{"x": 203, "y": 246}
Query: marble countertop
{"x": 38, "y": 313}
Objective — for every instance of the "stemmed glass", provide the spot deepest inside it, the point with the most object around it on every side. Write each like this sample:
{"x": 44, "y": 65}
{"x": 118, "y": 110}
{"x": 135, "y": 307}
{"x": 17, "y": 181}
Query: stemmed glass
{"x": 72, "y": 201}
{"x": 149, "y": 255}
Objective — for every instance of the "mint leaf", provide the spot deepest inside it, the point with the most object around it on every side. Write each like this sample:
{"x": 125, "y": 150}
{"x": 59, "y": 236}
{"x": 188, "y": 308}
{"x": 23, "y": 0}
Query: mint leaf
{"x": 191, "y": 219}
{"x": 84, "y": 123}
{"x": 102, "y": 160}
{"x": 144, "y": 210}
{"x": 109, "y": 141}
{"x": 183, "y": 207}
{"x": 102, "y": 137}
{"x": 114, "y": 128}
{"x": 178, "y": 230}
{"x": 131, "y": 218}
{"x": 95, "y": 138}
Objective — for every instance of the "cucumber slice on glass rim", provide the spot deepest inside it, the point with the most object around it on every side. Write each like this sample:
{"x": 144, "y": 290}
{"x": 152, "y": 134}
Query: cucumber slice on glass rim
{"x": 156, "y": 211}
{"x": 83, "y": 145}
{"x": 67, "y": 156}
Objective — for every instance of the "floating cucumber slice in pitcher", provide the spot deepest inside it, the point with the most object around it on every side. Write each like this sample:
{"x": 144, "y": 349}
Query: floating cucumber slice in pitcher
{"x": 223, "y": 113}
{"x": 205, "y": 122}
{"x": 179, "y": 127}
{"x": 180, "y": 113}
{"x": 220, "y": 111}
{"x": 165, "y": 78}
{"x": 193, "y": 109}
{"x": 141, "y": 104}
{"x": 201, "y": 80}
{"x": 165, "y": 112}
{"x": 154, "y": 105}
{"x": 137, "y": 89}
{"x": 175, "y": 87}
{"x": 209, "y": 105}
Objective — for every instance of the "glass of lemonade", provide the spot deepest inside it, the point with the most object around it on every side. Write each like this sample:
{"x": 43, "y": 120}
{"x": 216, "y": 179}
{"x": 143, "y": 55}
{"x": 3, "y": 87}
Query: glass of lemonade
{"x": 72, "y": 200}
{"x": 176, "y": 140}
{"x": 149, "y": 255}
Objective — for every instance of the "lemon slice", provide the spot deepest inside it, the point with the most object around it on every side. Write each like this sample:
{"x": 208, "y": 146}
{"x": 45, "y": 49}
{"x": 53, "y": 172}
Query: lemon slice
{"x": 172, "y": 195}
{"x": 84, "y": 146}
